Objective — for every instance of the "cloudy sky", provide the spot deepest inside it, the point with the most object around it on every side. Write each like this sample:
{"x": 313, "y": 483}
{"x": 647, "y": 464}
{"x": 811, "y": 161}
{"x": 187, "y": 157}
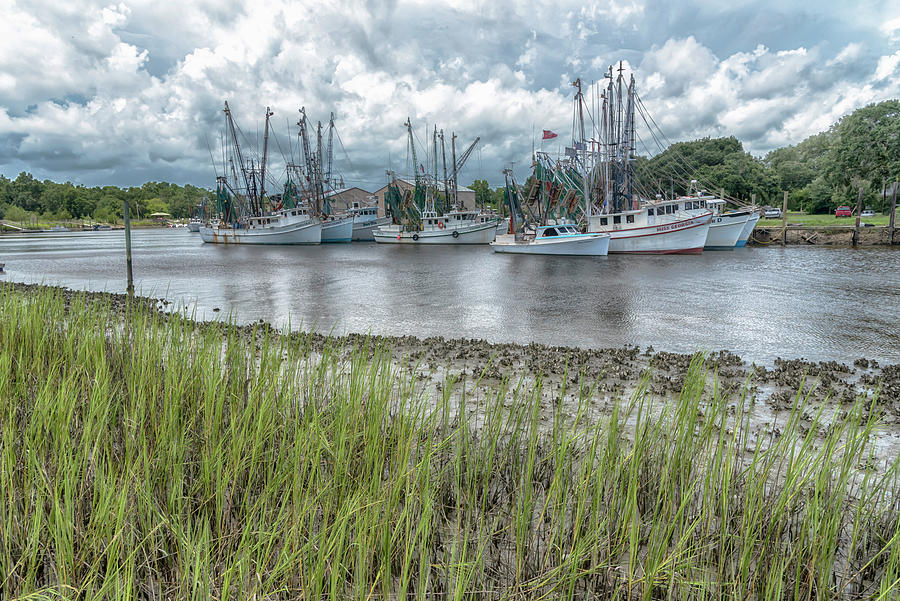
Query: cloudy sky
{"x": 99, "y": 93}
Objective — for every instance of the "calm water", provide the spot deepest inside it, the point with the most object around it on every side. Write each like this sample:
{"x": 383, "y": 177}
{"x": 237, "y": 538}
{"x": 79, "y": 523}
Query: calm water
{"x": 816, "y": 303}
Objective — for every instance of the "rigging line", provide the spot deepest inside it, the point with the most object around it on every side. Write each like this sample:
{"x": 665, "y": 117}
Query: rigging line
{"x": 689, "y": 172}
{"x": 211, "y": 159}
{"x": 344, "y": 150}
{"x": 691, "y": 168}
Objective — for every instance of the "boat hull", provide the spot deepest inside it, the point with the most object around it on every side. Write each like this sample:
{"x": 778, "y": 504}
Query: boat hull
{"x": 748, "y": 229}
{"x": 363, "y": 231}
{"x": 339, "y": 230}
{"x": 724, "y": 231}
{"x": 687, "y": 236}
{"x": 583, "y": 245}
{"x": 482, "y": 233}
{"x": 303, "y": 233}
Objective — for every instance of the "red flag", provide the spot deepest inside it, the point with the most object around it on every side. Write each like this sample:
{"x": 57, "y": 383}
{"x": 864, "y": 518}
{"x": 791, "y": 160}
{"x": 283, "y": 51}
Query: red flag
{"x": 549, "y": 134}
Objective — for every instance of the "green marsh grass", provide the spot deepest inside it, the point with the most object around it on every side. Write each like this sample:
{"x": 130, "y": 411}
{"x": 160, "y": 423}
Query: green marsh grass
{"x": 145, "y": 456}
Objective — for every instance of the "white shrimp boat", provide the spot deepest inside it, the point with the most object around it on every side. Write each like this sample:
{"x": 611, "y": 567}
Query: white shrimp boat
{"x": 287, "y": 226}
{"x": 337, "y": 229}
{"x": 748, "y": 229}
{"x": 562, "y": 239}
{"x": 194, "y": 225}
{"x": 668, "y": 227}
{"x": 454, "y": 227}
{"x": 366, "y": 221}
{"x": 724, "y": 228}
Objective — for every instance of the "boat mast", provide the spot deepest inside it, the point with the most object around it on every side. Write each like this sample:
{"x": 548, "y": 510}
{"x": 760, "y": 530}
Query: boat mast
{"x": 236, "y": 147}
{"x": 579, "y": 107}
{"x": 262, "y": 167}
{"x": 446, "y": 187}
{"x": 307, "y": 155}
{"x": 453, "y": 158}
{"x": 321, "y": 202}
{"x": 329, "y": 155}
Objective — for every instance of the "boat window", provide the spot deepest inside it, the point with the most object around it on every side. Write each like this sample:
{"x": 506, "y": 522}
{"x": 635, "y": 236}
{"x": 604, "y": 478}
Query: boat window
{"x": 549, "y": 232}
{"x": 629, "y": 218}
{"x": 617, "y": 219}
{"x": 604, "y": 221}
{"x": 650, "y": 212}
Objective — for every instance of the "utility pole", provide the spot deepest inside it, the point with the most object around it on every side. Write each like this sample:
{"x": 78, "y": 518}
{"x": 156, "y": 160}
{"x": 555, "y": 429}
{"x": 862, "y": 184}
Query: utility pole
{"x": 130, "y": 286}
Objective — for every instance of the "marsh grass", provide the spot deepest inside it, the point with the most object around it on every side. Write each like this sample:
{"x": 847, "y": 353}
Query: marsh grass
{"x": 151, "y": 457}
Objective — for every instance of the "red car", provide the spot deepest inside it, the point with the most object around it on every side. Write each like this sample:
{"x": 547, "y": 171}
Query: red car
{"x": 843, "y": 212}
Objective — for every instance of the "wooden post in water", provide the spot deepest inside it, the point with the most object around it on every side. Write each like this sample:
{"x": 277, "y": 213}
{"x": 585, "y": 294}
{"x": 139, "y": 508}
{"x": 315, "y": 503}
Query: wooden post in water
{"x": 858, "y": 211}
{"x": 127, "y": 216}
{"x": 893, "y": 213}
{"x": 784, "y": 220}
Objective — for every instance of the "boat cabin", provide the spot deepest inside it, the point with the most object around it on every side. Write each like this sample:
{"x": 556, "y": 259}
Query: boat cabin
{"x": 553, "y": 231}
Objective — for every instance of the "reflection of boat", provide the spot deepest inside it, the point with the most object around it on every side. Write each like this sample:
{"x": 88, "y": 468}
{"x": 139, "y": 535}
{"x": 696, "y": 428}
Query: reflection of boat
{"x": 2, "y": 265}
{"x": 455, "y": 227}
{"x": 288, "y": 226}
{"x": 564, "y": 239}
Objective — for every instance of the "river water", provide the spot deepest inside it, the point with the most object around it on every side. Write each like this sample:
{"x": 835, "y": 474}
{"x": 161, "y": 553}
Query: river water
{"x": 761, "y": 303}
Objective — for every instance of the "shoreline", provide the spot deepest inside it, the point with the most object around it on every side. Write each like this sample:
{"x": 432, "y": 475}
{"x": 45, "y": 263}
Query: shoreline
{"x": 614, "y": 372}
{"x": 524, "y": 468}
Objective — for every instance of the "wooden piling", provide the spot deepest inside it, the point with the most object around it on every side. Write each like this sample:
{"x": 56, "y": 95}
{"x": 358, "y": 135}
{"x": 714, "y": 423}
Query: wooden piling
{"x": 784, "y": 220}
{"x": 858, "y": 211}
{"x": 127, "y": 217}
{"x": 893, "y": 213}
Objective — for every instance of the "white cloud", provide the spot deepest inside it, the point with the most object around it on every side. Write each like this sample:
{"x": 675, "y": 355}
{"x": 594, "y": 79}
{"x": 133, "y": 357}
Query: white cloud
{"x": 111, "y": 92}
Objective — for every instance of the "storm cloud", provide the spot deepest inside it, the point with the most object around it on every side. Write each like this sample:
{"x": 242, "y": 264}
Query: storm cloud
{"x": 120, "y": 93}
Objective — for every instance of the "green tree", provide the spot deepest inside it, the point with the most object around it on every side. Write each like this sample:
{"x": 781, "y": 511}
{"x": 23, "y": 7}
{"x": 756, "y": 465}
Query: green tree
{"x": 482, "y": 191}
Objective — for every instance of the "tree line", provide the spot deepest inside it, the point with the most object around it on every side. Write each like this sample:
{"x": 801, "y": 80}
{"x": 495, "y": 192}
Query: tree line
{"x": 25, "y": 199}
{"x": 820, "y": 173}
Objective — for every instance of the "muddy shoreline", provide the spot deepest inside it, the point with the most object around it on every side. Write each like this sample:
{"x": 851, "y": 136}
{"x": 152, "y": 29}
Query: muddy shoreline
{"x": 613, "y": 372}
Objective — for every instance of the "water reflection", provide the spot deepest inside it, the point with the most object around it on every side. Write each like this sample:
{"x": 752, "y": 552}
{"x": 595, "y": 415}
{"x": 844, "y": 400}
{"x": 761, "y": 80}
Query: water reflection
{"x": 817, "y": 303}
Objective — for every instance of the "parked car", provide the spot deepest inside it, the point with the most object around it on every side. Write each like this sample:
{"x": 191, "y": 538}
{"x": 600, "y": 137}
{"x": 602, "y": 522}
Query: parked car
{"x": 867, "y": 213}
{"x": 843, "y": 211}
{"x": 772, "y": 213}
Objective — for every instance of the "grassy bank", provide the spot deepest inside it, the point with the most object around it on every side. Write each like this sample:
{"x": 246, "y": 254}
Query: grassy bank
{"x": 148, "y": 456}
{"x": 798, "y": 218}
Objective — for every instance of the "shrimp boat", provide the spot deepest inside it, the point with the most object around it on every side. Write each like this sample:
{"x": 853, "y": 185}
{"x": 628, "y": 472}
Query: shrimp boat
{"x": 366, "y": 220}
{"x": 415, "y": 216}
{"x": 245, "y": 215}
{"x": 287, "y": 226}
{"x": 194, "y": 224}
{"x": 561, "y": 239}
{"x": 725, "y": 227}
{"x": 337, "y": 229}
{"x": 454, "y": 227}
{"x": 748, "y": 229}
